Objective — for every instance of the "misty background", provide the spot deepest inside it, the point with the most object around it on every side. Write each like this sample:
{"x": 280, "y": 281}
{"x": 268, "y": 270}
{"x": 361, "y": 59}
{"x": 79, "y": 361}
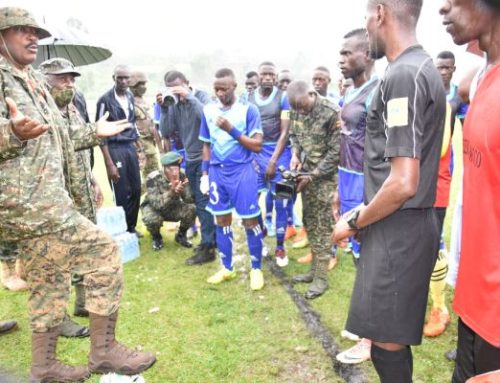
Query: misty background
{"x": 198, "y": 37}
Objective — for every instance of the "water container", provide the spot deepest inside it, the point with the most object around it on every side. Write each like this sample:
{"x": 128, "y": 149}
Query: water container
{"x": 129, "y": 246}
{"x": 112, "y": 220}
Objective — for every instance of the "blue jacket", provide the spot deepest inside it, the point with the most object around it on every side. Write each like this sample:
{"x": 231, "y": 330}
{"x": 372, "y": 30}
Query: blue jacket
{"x": 108, "y": 103}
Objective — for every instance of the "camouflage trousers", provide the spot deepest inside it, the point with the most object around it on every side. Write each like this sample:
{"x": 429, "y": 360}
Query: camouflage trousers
{"x": 317, "y": 216}
{"x": 148, "y": 160}
{"x": 183, "y": 212}
{"x": 51, "y": 259}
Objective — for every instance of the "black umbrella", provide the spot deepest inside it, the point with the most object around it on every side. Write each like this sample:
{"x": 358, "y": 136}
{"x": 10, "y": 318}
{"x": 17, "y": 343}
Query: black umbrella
{"x": 72, "y": 44}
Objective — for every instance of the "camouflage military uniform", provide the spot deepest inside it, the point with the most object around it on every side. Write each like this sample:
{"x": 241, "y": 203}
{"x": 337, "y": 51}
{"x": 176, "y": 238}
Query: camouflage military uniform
{"x": 316, "y": 141}
{"x": 145, "y": 124}
{"x": 81, "y": 187}
{"x": 37, "y": 210}
{"x": 160, "y": 205}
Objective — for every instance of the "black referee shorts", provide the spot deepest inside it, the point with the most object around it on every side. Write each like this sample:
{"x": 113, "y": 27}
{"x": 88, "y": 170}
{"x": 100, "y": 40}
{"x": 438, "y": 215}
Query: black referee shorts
{"x": 390, "y": 293}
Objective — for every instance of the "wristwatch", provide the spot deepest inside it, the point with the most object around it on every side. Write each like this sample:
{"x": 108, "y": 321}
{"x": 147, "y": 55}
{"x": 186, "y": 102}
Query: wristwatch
{"x": 352, "y": 220}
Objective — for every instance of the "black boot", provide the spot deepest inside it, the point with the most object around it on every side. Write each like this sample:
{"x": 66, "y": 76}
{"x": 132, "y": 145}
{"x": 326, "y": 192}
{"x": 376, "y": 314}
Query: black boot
{"x": 203, "y": 254}
{"x": 157, "y": 242}
{"x": 181, "y": 238}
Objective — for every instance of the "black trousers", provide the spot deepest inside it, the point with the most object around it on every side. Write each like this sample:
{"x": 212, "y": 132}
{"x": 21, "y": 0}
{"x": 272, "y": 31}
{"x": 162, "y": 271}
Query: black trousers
{"x": 128, "y": 188}
{"x": 475, "y": 356}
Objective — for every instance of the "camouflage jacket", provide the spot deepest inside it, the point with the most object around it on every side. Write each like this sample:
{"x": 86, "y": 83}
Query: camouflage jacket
{"x": 80, "y": 185}
{"x": 34, "y": 175}
{"x": 158, "y": 194}
{"x": 143, "y": 118}
{"x": 316, "y": 138}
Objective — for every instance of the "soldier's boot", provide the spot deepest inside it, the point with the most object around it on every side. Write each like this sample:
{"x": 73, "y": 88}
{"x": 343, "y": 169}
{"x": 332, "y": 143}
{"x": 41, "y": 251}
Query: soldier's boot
{"x": 181, "y": 238}
{"x": 320, "y": 282}
{"x": 45, "y": 367}
{"x": 80, "y": 310}
{"x": 10, "y": 278}
{"x": 203, "y": 254}
{"x": 108, "y": 355}
{"x": 71, "y": 329}
{"x": 157, "y": 241}
{"x": 307, "y": 277}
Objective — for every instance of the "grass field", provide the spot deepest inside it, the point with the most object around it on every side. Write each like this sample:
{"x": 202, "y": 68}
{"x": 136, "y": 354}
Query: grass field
{"x": 226, "y": 333}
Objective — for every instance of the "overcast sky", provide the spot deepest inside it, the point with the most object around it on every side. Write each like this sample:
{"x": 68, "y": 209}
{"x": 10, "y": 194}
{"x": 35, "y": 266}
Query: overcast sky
{"x": 263, "y": 29}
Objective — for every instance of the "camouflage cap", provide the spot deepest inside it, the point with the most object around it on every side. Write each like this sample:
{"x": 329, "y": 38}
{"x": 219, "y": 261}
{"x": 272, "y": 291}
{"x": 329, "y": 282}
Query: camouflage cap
{"x": 14, "y": 16}
{"x": 171, "y": 158}
{"x": 58, "y": 65}
{"x": 137, "y": 76}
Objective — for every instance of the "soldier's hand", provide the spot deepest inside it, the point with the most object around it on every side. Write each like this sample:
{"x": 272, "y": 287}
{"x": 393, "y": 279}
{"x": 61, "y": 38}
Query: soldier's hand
{"x": 223, "y": 123}
{"x": 302, "y": 183}
{"x": 180, "y": 186}
{"x": 99, "y": 198}
{"x": 23, "y": 127}
{"x": 110, "y": 128}
{"x": 295, "y": 163}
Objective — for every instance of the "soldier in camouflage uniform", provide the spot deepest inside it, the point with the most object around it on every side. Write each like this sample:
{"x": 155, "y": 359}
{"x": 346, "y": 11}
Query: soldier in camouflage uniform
{"x": 149, "y": 140}
{"x": 316, "y": 149}
{"x": 37, "y": 163}
{"x": 60, "y": 75}
{"x": 168, "y": 198}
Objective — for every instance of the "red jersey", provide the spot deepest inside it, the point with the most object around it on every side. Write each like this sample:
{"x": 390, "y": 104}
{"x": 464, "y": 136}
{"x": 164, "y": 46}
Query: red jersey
{"x": 477, "y": 295}
{"x": 444, "y": 172}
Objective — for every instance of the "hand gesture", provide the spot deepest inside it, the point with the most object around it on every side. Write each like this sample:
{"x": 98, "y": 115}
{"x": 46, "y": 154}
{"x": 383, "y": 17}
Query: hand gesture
{"x": 24, "y": 128}
{"x": 180, "y": 90}
{"x": 110, "y": 128}
{"x": 223, "y": 123}
{"x": 179, "y": 188}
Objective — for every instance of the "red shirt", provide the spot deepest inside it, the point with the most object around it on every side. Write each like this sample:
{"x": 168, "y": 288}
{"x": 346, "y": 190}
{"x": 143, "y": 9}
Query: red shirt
{"x": 477, "y": 296}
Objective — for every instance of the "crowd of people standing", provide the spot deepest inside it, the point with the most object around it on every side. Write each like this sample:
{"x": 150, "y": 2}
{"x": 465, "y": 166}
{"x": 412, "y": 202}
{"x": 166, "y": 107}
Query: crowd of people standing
{"x": 373, "y": 168}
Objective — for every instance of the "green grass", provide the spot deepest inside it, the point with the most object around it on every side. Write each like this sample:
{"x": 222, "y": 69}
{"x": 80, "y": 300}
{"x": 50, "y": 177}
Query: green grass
{"x": 225, "y": 333}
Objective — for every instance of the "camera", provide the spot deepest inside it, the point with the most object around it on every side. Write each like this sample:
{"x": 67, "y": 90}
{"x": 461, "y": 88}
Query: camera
{"x": 287, "y": 187}
{"x": 168, "y": 97}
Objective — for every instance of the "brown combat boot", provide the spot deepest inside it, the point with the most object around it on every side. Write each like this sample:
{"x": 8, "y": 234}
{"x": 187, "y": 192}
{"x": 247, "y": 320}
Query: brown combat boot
{"x": 10, "y": 278}
{"x": 107, "y": 355}
{"x": 45, "y": 368}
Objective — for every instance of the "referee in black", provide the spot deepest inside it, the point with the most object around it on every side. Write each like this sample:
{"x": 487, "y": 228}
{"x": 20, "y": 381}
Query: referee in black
{"x": 397, "y": 223}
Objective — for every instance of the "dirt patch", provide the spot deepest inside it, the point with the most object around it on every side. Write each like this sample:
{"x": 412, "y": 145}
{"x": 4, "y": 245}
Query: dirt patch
{"x": 312, "y": 320}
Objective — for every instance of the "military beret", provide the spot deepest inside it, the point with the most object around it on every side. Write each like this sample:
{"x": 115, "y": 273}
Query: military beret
{"x": 171, "y": 158}
{"x": 15, "y": 16}
{"x": 58, "y": 65}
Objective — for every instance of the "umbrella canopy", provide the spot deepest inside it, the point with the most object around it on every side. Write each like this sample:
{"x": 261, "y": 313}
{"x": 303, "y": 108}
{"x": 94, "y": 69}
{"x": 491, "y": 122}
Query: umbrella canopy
{"x": 72, "y": 44}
